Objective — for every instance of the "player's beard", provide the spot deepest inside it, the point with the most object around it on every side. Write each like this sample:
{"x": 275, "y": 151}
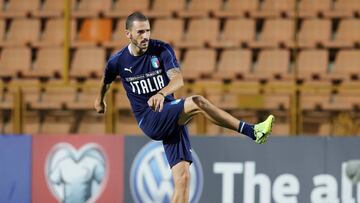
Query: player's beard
{"x": 142, "y": 48}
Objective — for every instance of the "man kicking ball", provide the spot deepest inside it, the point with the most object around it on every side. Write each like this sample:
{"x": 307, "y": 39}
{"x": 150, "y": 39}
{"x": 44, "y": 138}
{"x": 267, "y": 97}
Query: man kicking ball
{"x": 150, "y": 74}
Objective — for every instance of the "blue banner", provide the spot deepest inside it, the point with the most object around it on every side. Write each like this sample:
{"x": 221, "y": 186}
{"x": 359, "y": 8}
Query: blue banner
{"x": 15, "y": 169}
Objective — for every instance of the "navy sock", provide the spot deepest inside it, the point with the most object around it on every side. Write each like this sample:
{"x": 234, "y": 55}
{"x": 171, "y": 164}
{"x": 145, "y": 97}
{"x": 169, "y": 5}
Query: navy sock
{"x": 247, "y": 129}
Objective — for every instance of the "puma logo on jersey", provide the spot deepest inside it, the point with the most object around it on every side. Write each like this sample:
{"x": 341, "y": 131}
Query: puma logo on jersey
{"x": 128, "y": 69}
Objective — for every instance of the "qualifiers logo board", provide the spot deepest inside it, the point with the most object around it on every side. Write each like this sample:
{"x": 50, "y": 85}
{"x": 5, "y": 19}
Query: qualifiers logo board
{"x": 81, "y": 169}
{"x": 151, "y": 180}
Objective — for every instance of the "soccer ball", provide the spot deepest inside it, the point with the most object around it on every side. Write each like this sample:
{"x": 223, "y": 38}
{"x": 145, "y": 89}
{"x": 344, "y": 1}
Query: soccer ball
{"x": 353, "y": 170}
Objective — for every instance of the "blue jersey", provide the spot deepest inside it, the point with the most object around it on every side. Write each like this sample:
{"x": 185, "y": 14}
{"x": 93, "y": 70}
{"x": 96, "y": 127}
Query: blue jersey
{"x": 142, "y": 76}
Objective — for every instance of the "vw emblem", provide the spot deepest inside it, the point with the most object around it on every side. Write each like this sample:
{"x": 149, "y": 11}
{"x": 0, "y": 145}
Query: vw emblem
{"x": 151, "y": 180}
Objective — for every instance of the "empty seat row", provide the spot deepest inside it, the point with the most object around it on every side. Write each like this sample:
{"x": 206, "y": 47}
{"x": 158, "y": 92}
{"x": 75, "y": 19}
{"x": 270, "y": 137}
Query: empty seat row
{"x": 197, "y": 63}
{"x": 49, "y": 62}
{"x": 236, "y": 32}
{"x": 221, "y": 8}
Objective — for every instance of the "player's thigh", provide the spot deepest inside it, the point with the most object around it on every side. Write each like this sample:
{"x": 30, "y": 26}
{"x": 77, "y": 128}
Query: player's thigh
{"x": 181, "y": 172}
{"x": 191, "y": 108}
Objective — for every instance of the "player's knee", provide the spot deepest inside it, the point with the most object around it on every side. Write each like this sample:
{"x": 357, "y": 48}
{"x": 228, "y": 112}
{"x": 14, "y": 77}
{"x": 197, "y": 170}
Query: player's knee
{"x": 183, "y": 179}
{"x": 200, "y": 101}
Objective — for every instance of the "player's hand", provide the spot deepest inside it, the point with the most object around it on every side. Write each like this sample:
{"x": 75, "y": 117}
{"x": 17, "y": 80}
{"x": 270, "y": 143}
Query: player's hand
{"x": 156, "y": 102}
{"x": 100, "y": 105}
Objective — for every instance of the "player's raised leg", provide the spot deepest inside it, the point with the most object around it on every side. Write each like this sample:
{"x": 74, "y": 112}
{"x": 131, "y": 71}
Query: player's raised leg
{"x": 198, "y": 104}
{"x": 181, "y": 175}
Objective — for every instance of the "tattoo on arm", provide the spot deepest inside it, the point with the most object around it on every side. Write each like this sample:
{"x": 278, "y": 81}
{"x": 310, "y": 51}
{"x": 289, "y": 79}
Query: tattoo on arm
{"x": 173, "y": 72}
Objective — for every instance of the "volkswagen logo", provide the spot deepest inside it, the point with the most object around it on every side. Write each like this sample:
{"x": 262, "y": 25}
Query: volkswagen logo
{"x": 151, "y": 180}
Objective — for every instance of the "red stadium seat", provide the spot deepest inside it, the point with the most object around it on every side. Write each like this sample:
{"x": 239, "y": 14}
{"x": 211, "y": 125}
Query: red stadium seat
{"x": 166, "y": 8}
{"x": 91, "y": 8}
{"x": 234, "y": 64}
{"x": 238, "y": 8}
{"x": 20, "y": 8}
{"x": 347, "y": 35}
{"x": 88, "y": 62}
{"x": 236, "y": 32}
{"x": 276, "y": 33}
{"x": 311, "y": 8}
{"x": 123, "y": 8}
{"x": 201, "y": 8}
{"x": 314, "y": 33}
{"x": 346, "y": 65}
{"x": 49, "y": 63}
{"x": 198, "y": 63}
{"x": 313, "y": 65}
{"x": 11, "y": 66}
{"x": 118, "y": 38}
{"x": 168, "y": 30}
{"x": 195, "y": 35}
{"x": 273, "y": 64}
{"x": 22, "y": 32}
{"x": 276, "y": 8}
{"x": 53, "y": 34}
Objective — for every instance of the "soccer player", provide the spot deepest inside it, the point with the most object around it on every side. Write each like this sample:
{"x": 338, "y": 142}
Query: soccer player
{"x": 150, "y": 74}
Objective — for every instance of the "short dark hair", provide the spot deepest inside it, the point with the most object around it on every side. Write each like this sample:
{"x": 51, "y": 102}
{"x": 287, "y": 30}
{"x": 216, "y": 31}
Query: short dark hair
{"x": 136, "y": 16}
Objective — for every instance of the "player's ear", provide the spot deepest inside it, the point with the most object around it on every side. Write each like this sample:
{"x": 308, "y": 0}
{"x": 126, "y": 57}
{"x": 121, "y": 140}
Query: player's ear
{"x": 128, "y": 34}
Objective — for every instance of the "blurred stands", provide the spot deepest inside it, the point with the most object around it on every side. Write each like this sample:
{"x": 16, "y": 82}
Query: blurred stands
{"x": 258, "y": 57}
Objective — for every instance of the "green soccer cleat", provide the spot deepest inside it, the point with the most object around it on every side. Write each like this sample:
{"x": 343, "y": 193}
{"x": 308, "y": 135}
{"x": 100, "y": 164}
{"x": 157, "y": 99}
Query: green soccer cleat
{"x": 263, "y": 130}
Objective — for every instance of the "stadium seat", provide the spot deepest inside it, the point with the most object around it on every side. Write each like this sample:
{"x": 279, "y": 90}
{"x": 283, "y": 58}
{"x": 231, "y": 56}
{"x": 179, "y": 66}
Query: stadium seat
{"x": 201, "y": 8}
{"x": 312, "y": 65}
{"x": 53, "y": 34}
{"x": 123, "y": 8}
{"x": 52, "y": 8}
{"x": 195, "y": 35}
{"x": 311, "y": 8}
{"x": 234, "y": 64}
{"x": 118, "y": 38}
{"x": 127, "y": 125}
{"x": 49, "y": 63}
{"x": 166, "y": 8}
{"x": 168, "y": 30}
{"x": 95, "y": 31}
{"x": 315, "y": 101}
{"x": 57, "y": 123}
{"x": 347, "y": 35}
{"x": 11, "y": 66}
{"x": 273, "y": 64}
{"x": 276, "y": 8}
{"x": 236, "y": 32}
{"x": 276, "y": 33}
{"x": 22, "y": 32}
{"x": 91, "y": 123}
{"x": 84, "y": 99}
{"x": 345, "y": 8}
{"x": 88, "y": 62}
{"x": 54, "y": 98}
{"x": 346, "y": 66}
{"x": 314, "y": 33}
{"x": 238, "y": 8}
{"x": 91, "y": 8}
{"x": 198, "y": 63}
{"x": 19, "y": 8}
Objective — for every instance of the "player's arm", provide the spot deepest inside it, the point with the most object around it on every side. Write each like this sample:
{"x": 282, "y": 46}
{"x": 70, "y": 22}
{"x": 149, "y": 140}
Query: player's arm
{"x": 110, "y": 74}
{"x": 156, "y": 102}
{"x": 100, "y": 104}
{"x": 176, "y": 81}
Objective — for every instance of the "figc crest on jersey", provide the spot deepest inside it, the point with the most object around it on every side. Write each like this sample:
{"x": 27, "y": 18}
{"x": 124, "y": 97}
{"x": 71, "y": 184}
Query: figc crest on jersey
{"x": 155, "y": 62}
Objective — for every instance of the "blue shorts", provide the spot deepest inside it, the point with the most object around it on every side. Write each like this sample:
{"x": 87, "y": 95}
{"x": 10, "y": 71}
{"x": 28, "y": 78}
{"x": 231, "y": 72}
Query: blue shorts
{"x": 164, "y": 126}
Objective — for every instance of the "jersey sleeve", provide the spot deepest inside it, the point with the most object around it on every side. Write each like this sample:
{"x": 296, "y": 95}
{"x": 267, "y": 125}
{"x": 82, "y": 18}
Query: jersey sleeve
{"x": 169, "y": 58}
{"x": 111, "y": 71}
